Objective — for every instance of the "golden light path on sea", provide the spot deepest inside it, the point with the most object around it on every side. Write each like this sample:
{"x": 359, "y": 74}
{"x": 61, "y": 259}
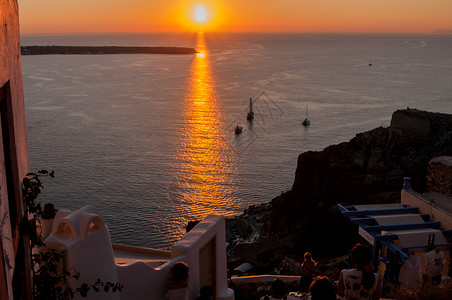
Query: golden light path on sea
{"x": 206, "y": 179}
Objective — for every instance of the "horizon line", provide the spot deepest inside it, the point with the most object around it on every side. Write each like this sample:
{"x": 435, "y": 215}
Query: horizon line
{"x": 437, "y": 32}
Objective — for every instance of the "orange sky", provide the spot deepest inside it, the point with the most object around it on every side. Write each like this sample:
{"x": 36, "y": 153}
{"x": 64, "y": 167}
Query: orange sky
{"x": 67, "y": 16}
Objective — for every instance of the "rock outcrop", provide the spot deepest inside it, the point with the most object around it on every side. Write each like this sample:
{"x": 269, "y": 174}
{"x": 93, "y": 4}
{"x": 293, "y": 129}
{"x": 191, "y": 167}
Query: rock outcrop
{"x": 367, "y": 169}
{"x": 439, "y": 175}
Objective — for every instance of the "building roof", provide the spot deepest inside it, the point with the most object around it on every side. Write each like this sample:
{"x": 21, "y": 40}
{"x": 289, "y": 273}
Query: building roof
{"x": 398, "y": 226}
{"x": 440, "y": 200}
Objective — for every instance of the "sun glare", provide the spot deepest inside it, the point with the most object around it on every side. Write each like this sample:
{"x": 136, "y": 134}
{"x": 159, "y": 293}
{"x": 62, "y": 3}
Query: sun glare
{"x": 200, "y": 14}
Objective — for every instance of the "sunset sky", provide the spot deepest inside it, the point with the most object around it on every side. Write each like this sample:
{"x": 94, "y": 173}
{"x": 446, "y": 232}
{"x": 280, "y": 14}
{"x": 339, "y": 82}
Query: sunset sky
{"x": 71, "y": 16}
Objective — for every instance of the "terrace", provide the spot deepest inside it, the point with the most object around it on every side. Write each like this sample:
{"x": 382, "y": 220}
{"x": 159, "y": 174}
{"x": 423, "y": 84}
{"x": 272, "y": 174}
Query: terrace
{"x": 85, "y": 241}
{"x": 416, "y": 224}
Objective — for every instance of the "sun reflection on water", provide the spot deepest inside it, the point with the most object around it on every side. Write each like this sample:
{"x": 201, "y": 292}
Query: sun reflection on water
{"x": 205, "y": 183}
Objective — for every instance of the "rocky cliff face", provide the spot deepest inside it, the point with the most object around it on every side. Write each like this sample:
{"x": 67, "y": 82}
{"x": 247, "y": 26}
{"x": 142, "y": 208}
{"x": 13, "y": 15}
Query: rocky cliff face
{"x": 439, "y": 175}
{"x": 367, "y": 169}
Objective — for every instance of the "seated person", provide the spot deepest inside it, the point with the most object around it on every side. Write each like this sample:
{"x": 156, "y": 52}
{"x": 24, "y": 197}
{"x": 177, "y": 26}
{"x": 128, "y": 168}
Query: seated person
{"x": 278, "y": 290}
{"x": 323, "y": 288}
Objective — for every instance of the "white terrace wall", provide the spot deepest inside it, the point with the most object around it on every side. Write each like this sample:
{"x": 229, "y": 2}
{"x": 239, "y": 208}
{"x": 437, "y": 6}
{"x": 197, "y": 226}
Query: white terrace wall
{"x": 144, "y": 282}
{"x": 414, "y": 199}
{"x": 204, "y": 249}
{"x": 85, "y": 239}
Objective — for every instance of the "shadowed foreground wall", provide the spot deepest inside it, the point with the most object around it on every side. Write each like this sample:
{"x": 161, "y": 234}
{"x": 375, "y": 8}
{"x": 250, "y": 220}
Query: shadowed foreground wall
{"x": 14, "y": 260}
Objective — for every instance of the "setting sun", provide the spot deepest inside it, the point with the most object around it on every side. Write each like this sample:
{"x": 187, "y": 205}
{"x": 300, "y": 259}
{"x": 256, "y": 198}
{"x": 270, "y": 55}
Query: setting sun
{"x": 200, "y": 14}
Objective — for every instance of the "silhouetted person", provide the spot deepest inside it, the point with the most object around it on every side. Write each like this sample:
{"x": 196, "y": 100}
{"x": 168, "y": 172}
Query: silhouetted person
{"x": 278, "y": 290}
{"x": 307, "y": 272}
{"x": 177, "y": 283}
{"x": 323, "y": 288}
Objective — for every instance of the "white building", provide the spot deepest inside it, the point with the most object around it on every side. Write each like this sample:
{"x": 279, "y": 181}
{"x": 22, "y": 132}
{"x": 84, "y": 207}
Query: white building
{"x": 416, "y": 225}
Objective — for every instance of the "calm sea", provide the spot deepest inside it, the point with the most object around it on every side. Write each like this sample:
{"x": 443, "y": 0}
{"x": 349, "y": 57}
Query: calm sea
{"x": 149, "y": 139}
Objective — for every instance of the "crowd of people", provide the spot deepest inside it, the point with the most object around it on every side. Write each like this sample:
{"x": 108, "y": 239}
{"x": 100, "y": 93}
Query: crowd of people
{"x": 321, "y": 288}
{"x": 358, "y": 283}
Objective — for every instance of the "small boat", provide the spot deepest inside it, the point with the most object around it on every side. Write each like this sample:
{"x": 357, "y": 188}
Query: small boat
{"x": 250, "y": 114}
{"x": 306, "y": 121}
{"x": 238, "y": 129}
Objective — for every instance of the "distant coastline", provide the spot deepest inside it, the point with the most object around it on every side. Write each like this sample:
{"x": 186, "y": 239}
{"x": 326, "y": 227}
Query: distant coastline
{"x": 443, "y": 31}
{"x": 43, "y": 50}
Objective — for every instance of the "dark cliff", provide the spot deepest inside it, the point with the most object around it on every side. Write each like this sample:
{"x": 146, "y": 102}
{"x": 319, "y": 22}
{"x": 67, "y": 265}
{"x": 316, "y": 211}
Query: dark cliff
{"x": 367, "y": 169}
{"x": 371, "y": 166}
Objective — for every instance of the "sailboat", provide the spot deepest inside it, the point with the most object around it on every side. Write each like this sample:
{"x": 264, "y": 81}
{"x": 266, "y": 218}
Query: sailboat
{"x": 306, "y": 121}
{"x": 250, "y": 114}
{"x": 238, "y": 129}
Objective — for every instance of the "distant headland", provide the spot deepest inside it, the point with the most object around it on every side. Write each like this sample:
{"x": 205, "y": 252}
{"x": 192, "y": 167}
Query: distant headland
{"x": 442, "y": 31}
{"x": 42, "y": 50}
